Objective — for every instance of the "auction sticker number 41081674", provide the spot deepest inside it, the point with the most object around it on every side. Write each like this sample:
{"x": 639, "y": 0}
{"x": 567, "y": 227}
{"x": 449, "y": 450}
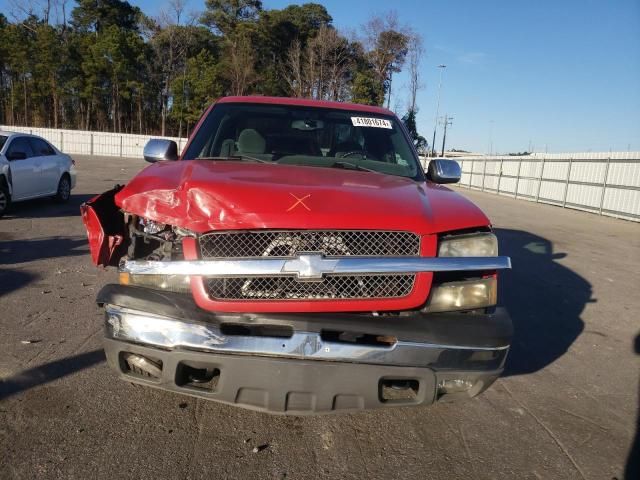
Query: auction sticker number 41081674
{"x": 371, "y": 122}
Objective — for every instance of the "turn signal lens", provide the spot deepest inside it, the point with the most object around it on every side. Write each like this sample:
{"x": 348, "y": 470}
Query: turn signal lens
{"x": 169, "y": 283}
{"x": 463, "y": 295}
{"x": 124, "y": 278}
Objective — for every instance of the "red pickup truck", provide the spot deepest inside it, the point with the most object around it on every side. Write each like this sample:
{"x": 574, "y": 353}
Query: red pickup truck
{"x": 296, "y": 258}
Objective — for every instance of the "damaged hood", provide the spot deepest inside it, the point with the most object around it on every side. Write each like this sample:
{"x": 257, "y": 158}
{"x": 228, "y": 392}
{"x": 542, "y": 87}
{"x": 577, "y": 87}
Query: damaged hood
{"x": 204, "y": 195}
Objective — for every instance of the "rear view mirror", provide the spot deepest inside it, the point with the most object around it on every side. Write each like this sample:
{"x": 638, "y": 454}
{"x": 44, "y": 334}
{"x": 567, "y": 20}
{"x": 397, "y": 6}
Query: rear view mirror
{"x": 16, "y": 156}
{"x": 443, "y": 170}
{"x": 307, "y": 125}
{"x": 160, "y": 149}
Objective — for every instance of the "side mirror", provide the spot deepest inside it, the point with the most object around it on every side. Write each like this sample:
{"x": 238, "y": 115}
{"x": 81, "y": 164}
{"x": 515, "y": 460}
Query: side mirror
{"x": 16, "y": 156}
{"x": 159, "y": 149}
{"x": 442, "y": 170}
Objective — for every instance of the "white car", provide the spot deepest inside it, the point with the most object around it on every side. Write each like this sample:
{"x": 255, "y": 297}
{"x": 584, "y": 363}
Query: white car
{"x": 30, "y": 167}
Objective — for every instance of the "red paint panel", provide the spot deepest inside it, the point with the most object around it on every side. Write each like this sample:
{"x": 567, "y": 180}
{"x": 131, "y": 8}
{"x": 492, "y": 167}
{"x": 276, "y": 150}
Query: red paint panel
{"x": 105, "y": 229}
{"x": 206, "y": 195}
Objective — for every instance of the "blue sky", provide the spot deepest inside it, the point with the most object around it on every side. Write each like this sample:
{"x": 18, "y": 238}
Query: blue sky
{"x": 557, "y": 75}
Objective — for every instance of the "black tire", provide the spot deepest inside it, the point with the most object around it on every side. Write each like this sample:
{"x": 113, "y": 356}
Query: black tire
{"x": 5, "y": 198}
{"x": 64, "y": 189}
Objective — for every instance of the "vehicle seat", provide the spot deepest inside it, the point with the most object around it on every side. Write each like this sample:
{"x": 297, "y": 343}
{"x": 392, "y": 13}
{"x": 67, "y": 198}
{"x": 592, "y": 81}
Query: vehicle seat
{"x": 228, "y": 148}
{"x": 251, "y": 142}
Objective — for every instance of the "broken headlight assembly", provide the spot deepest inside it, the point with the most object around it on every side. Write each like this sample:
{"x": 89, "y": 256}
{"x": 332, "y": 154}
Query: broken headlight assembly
{"x": 150, "y": 226}
{"x": 450, "y": 292}
{"x": 155, "y": 241}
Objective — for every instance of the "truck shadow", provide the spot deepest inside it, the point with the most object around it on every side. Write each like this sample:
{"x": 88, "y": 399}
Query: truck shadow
{"x": 47, "y": 208}
{"x": 632, "y": 470}
{"x": 21, "y": 251}
{"x": 49, "y": 372}
{"x": 11, "y": 280}
{"x": 544, "y": 298}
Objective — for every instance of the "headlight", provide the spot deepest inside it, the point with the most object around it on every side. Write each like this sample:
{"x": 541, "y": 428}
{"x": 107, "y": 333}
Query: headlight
{"x": 469, "y": 245}
{"x": 463, "y": 295}
{"x": 168, "y": 283}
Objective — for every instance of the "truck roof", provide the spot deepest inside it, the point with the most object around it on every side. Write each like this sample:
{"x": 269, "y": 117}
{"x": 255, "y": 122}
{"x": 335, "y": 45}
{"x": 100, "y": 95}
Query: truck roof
{"x": 305, "y": 102}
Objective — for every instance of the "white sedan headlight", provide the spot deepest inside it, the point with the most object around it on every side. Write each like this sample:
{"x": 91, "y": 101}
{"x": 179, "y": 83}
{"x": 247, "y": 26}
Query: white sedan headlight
{"x": 482, "y": 244}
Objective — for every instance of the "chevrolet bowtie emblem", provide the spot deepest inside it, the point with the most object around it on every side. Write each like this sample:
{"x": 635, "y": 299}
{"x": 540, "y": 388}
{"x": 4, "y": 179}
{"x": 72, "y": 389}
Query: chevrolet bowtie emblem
{"x": 299, "y": 201}
{"x": 309, "y": 266}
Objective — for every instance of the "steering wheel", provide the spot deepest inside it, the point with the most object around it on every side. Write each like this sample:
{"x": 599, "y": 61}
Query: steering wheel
{"x": 362, "y": 153}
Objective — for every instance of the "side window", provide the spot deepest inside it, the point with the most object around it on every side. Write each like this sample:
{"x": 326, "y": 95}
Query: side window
{"x": 40, "y": 147}
{"x": 19, "y": 145}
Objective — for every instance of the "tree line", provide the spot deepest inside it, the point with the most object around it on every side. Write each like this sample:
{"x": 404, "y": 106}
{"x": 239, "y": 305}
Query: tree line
{"x": 110, "y": 67}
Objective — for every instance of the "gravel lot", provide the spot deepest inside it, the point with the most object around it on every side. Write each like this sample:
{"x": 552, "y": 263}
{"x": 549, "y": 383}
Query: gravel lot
{"x": 566, "y": 408}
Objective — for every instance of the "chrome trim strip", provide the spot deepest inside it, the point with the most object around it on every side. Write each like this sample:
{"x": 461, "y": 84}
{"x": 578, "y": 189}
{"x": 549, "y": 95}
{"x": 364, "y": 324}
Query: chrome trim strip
{"x": 169, "y": 333}
{"x": 314, "y": 266}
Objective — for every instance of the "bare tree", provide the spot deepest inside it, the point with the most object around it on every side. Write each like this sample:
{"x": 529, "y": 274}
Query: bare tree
{"x": 241, "y": 72}
{"x": 387, "y": 47}
{"x": 50, "y": 11}
{"x": 292, "y": 69}
{"x": 416, "y": 51}
{"x": 339, "y": 64}
{"x": 170, "y": 40}
{"x": 321, "y": 70}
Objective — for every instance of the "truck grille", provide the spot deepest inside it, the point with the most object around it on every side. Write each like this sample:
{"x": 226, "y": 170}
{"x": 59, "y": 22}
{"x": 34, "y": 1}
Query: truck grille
{"x": 331, "y": 287}
{"x": 269, "y": 243}
{"x": 337, "y": 243}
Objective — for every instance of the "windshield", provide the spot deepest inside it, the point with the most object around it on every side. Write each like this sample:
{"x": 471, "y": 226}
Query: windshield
{"x": 3, "y": 140}
{"x": 317, "y": 137}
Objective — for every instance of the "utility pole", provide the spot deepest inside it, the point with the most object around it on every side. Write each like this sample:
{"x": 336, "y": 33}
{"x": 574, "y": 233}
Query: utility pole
{"x": 447, "y": 121}
{"x": 435, "y": 125}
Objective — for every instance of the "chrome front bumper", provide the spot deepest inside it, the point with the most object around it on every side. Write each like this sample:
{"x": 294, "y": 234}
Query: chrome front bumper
{"x": 156, "y": 331}
{"x": 288, "y": 364}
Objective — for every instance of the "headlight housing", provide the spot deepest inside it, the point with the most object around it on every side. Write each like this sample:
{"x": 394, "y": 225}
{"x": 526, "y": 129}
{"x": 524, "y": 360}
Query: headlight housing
{"x": 450, "y": 294}
{"x": 463, "y": 295}
{"x": 483, "y": 244}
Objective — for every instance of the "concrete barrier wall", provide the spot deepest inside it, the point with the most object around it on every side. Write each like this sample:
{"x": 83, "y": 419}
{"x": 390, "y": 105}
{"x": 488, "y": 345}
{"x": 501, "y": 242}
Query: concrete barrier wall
{"x": 94, "y": 143}
{"x": 602, "y": 183}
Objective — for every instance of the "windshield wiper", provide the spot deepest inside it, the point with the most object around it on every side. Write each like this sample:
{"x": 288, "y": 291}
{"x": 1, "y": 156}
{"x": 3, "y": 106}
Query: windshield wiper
{"x": 352, "y": 166}
{"x": 236, "y": 157}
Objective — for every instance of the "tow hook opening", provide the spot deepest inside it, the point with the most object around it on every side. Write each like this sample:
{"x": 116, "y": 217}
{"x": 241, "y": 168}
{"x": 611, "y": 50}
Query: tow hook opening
{"x": 369, "y": 339}
{"x": 141, "y": 366}
{"x": 398, "y": 390}
{"x": 273, "y": 331}
{"x": 198, "y": 376}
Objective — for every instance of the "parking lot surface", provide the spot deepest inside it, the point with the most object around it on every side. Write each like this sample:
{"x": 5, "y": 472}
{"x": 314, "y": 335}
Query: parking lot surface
{"x": 567, "y": 406}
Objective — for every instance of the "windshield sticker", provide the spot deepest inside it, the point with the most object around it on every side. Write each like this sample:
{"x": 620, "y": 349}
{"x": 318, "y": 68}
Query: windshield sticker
{"x": 371, "y": 122}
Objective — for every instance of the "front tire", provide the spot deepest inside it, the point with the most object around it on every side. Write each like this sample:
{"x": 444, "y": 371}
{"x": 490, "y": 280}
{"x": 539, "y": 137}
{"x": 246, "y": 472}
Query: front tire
{"x": 5, "y": 199}
{"x": 64, "y": 189}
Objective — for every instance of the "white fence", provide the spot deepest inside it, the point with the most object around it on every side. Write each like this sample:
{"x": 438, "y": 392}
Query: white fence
{"x": 94, "y": 143}
{"x": 601, "y": 183}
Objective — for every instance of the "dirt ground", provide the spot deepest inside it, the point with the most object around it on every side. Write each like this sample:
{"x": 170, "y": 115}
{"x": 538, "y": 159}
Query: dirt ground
{"x": 567, "y": 406}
